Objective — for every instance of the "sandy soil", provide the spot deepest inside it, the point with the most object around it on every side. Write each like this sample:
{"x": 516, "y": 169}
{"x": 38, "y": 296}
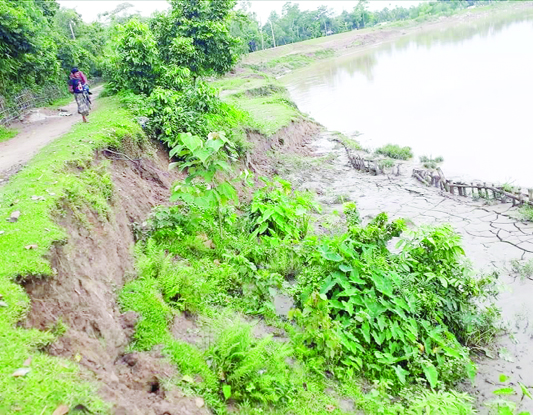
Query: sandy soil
{"x": 39, "y": 127}
{"x": 492, "y": 236}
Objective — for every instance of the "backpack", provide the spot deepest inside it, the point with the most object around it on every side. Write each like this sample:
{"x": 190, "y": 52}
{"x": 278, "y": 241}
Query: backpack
{"x": 76, "y": 84}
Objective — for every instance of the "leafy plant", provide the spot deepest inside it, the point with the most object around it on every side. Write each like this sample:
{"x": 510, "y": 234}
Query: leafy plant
{"x": 317, "y": 334}
{"x": 394, "y": 151}
{"x": 250, "y": 369}
{"x": 431, "y": 163}
{"x": 526, "y": 212}
{"x": 277, "y": 211}
{"x": 203, "y": 160}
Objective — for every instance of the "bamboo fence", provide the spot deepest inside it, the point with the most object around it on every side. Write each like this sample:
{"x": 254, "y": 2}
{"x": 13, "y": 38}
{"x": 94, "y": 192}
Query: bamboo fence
{"x": 368, "y": 166}
{"x": 27, "y": 99}
{"x": 475, "y": 190}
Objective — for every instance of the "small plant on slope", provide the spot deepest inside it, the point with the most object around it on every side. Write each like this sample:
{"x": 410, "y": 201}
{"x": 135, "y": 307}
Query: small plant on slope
{"x": 277, "y": 211}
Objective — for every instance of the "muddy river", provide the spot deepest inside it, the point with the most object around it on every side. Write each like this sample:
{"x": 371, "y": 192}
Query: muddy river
{"x": 462, "y": 92}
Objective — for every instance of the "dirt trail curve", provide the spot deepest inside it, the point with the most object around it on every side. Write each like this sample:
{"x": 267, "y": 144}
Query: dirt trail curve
{"x": 39, "y": 127}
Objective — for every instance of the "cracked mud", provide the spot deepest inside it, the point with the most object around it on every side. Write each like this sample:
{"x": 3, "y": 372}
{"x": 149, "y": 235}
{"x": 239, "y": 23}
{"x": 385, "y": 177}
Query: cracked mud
{"x": 492, "y": 236}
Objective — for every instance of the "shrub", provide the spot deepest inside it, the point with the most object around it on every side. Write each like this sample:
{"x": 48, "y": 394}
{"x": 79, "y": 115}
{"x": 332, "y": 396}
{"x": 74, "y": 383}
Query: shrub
{"x": 250, "y": 369}
{"x": 394, "y": 151}
{"x": 277, "y": 211}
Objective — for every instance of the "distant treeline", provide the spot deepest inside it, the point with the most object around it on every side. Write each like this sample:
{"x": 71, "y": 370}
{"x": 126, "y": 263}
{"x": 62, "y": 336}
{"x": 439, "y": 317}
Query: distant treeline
{"x": 295, "y": 25}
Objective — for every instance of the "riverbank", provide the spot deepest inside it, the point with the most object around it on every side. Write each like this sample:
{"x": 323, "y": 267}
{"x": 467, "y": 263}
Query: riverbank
{"x": 494, "y": 237}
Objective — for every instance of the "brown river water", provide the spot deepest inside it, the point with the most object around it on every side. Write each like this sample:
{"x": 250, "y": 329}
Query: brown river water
{"x": 460, "y": 92}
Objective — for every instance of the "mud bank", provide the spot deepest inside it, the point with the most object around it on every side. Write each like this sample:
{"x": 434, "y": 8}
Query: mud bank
{"x": 492, "y": 236}
{"x": 90, "y": 267}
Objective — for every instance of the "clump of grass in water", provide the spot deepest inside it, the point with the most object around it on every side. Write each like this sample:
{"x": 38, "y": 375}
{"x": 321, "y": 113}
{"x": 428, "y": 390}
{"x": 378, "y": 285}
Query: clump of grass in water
{"x": 526, "y": 212}
{"x": 431, "y": 163}
{"x": 394, "y": 151}
{"x": 523, "y": 268}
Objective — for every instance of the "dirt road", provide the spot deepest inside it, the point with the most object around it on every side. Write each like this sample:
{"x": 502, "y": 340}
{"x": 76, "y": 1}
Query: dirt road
{"x": 39, "y": 127}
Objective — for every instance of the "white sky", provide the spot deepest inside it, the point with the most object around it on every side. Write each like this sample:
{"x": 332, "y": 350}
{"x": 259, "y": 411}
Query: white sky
{"x": 89, "y": 9}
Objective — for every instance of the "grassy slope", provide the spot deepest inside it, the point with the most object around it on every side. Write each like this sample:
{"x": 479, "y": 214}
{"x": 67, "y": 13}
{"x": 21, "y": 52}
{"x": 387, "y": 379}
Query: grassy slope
{"x": 6, "y": 133}
{"x": 37, "y": 192}
{"x": 264, "y": 98}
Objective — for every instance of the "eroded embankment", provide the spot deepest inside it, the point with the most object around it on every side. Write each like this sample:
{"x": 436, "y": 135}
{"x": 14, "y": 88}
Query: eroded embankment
{"x": 102, "y": 183}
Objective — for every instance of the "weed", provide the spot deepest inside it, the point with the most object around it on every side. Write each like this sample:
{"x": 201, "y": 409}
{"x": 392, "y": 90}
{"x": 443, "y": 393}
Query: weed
{"x": 526, "y": 212}
{"x": 394, "y": 151}
{"x": 386, "y": 163}
{"x": 7, "y": 133}
{"x": 431, "y": 163}
{"x": 524, "y": 269}
{"x": 275, "y": 212}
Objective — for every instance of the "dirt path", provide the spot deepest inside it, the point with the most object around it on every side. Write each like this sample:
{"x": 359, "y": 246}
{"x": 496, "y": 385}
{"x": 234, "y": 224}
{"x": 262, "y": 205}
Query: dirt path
{"x": 492, "y": 236}
{"x": 39, "y": 127}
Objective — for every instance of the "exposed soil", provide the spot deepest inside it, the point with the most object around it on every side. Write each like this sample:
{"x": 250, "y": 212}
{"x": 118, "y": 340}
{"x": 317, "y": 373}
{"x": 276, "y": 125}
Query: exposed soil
{"x": 292, "y": 139}
{"x": 492, "y": 236}
{"x": 91, "y": 267}
{"x": 38, "y": 127}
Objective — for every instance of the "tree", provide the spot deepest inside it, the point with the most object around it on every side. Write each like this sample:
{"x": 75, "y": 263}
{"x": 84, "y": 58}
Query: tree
{"x": 200, "y": 31}
{"x": 136, "y": 63}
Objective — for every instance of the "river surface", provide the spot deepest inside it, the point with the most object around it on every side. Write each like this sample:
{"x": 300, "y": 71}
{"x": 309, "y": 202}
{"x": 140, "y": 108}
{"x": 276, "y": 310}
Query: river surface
{"x": 463, "y": 92}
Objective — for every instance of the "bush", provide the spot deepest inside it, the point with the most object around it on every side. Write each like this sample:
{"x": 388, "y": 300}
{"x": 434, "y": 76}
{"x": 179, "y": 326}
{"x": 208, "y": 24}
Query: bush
{"x": 394, "y": 151}
{"x": 277, "y": 211}
{"x": 403, "y": 316}
{"x": 250, "y": 369}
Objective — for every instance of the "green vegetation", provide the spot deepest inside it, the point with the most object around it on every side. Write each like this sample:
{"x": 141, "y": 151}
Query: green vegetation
{"x": 431, "y": 163}
{"x": 504, "y": 406}
{"x": 6, "y": 133}
{"x": 526, "y": 212}
{"x": 394, "y": 151}
{"x": 61, "y": 177}
{"x": 404, "y": 319}
{"x": 295, "y": 25}
{"x": 41, "y": 42}
{"x": 387, "y": 330}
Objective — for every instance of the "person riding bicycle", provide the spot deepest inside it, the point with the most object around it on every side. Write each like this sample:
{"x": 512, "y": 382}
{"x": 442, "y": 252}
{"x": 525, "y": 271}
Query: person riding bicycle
{"x": 78, "y": 86}
{"x": 77, "y": 74}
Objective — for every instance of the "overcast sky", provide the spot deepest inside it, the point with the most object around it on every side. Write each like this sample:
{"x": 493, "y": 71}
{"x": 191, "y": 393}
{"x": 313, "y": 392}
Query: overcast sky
{"x": 89, "y": 9}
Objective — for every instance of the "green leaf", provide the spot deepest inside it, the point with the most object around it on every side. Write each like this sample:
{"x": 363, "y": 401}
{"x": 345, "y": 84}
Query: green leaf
{"x": 503, "y": 378}
{"x": 525, "y": 390}
{"x": 190, "y": 141}
{"x": 504, "y": 391}
{"x": 431, "y": 374}
{"x": 226, "y": 390}
{"x": 215, "y": 145}
{"x": 345, "y": 267}
{"x": 203, "y": 154}
{"x": 401, "y": 373}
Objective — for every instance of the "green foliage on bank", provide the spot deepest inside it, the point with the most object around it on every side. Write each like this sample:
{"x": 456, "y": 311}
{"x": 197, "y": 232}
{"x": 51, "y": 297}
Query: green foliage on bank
{"x": 41, "y": 42}
{"x": 61, "y": 177}
{"x": 404, "y": 319}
